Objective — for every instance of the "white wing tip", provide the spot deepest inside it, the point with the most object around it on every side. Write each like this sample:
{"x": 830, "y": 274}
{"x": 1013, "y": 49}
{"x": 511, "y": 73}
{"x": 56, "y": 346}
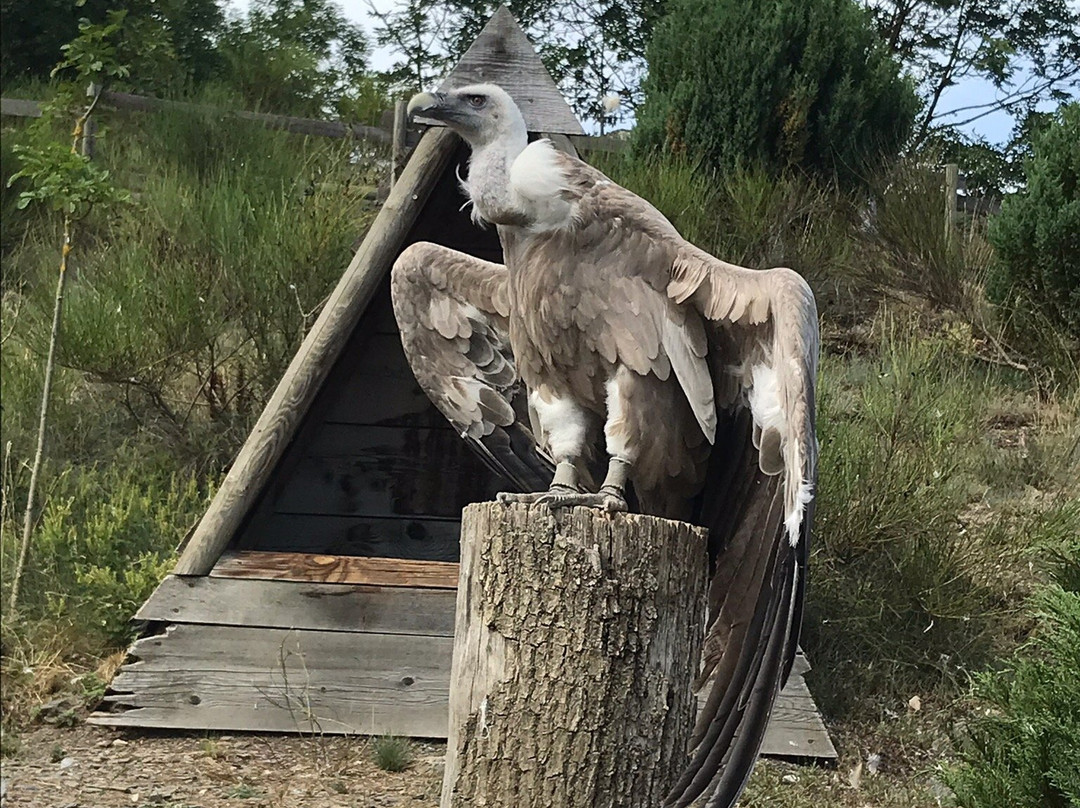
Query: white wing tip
{"x": 795, "y": 515}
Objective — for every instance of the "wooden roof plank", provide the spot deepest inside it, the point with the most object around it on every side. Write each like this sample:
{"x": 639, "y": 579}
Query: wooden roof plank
{"x": 503, "y": 55}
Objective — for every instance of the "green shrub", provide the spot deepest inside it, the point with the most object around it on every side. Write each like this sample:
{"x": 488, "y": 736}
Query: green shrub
{"x": 898, "y": 601}
{"x": 789, "y": 84}
{"x": 106, "y": 537}
{"x": 1037, "y": 234}
{"x": 1021, "y": 748}
{"x": 911, "y": 250}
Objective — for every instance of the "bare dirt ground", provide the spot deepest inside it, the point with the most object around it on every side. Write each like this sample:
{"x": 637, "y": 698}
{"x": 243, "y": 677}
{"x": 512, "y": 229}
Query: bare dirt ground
{"x": 93, "y": 767}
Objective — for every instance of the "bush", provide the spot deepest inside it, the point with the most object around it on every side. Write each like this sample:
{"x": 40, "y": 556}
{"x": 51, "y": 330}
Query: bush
{"x": 908, "y": 590}
{"x": 1037, "y": 233}
{"x": 106, "y": 537}
{"x": 782, "y": 85}
{"x": 1022, "y": 748}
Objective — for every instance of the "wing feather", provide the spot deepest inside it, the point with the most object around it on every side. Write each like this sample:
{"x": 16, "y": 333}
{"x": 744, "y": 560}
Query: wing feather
{"x": 761, "y": 331}
{"x": 452, "y": 310}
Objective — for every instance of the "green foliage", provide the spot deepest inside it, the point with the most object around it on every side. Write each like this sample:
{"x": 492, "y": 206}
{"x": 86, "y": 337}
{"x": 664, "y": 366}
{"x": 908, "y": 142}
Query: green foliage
{"x": 301, "y": 57}
{"x": 1028, "y": 49}
{"x": 167, "y": 44}
{"x": 188, "y": 304}
{"x": 1021, "y": 748}
{"x": 63, "y": 179}
{"x": 915, "y": 252}
{"x": 896, "y": 604}
{"x": 1037, "y": 233}
{"x": 392, "y": 753}
{"x": 106, "y": 537}
{"x": 781, "y": 85}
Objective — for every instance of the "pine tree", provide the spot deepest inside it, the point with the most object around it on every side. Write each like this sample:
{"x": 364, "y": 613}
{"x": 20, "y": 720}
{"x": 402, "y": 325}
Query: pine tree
{"x": 790, "y": 84}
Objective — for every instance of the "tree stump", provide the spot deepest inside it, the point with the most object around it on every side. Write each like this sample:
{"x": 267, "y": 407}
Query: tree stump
{"x": 576, "y": 643}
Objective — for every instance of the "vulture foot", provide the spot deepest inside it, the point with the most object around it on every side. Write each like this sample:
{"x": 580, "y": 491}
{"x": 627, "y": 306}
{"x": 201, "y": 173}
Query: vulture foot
{"x": 507, "y": 497}
{"x": 608, "y": 500}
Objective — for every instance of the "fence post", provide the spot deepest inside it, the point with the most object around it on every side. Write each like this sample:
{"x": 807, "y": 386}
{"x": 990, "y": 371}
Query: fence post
{"x": 90, "y": 125}
{"x": 952, "y": 180}
{"x": 397, "y": 140}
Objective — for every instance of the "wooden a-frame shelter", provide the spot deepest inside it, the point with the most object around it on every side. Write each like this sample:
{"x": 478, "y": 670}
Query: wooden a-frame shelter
{"x": 317, "y": 593}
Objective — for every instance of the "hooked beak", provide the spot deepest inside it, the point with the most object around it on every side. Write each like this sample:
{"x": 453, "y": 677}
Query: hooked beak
{"x": 428, "y": 104}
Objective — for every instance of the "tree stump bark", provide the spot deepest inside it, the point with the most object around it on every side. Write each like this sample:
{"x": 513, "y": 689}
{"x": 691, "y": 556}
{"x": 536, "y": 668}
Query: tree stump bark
{"x": 576, "y": 644}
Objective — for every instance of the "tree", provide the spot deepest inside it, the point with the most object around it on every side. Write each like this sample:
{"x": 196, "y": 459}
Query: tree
{"x": 416, "y": 31}
{"x": 1028, "y": 49}
{"x": 295, "y": 56}
{"x": 33, "y": 33}
{"x": 783, "y": 84}
{"x": 1037, "y": 233}
{"x": 61, "y": 177}
{"x": 593, "y": 50}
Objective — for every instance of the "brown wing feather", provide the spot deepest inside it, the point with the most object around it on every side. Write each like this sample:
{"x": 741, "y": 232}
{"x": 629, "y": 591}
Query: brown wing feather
{"x": 757, "y": 496}
{"x": 452, "y": 311}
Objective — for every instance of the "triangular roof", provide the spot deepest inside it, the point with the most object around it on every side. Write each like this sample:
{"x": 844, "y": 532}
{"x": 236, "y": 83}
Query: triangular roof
{"x": 503, "y": 55}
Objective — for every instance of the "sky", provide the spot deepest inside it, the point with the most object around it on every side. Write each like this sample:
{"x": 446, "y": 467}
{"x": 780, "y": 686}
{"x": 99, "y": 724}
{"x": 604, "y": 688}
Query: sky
{"x": 995, "y": 128}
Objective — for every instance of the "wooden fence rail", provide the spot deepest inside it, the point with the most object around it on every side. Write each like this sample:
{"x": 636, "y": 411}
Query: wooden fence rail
{"x": 23, "y": 108}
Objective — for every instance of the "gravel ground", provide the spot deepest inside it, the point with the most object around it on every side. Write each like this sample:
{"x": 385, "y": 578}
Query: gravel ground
{"x": 93, "y": 767}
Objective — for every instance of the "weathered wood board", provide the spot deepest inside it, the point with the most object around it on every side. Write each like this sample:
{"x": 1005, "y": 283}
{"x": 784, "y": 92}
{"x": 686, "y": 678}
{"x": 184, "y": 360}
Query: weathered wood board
{"x": 284, "y": 680}
{"x": 281, "y": 679}
{"x": 337, "y": 569}
{"x": 260, "y": 603}
{"x": 503, "y": 55}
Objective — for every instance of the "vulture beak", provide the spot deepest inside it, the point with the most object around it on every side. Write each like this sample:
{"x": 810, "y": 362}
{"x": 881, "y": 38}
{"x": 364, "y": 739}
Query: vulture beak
{"x": 431, "y": 105}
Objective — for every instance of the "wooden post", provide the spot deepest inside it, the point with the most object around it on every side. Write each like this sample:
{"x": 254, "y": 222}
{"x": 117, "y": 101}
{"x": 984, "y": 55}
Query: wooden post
{"x": 952, "y": 181}
{"x": 397, "y": 139}
{"x": 90, "y": 125}
{"x": 576, "y": 643}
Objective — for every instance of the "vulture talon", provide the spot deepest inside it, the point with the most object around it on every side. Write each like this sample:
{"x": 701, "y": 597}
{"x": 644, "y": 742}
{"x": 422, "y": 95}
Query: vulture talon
{"x": 608, "y": 501}
{"x": 508, "y": 497}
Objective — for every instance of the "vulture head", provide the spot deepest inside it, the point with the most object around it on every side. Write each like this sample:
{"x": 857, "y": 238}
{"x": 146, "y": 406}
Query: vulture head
{"x": 481, "y": 113}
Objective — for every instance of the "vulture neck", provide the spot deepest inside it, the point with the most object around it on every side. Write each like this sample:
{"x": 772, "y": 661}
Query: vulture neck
{"x": 489, "y": 179}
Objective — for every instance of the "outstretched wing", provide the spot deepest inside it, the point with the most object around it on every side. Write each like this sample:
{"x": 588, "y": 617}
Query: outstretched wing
{"x": 452, "y": 311}
{"x": 759, "y": 374}
{"x": 757, "y": 502}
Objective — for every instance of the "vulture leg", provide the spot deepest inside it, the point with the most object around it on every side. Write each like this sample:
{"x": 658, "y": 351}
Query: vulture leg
{"x": 565, "y": 427}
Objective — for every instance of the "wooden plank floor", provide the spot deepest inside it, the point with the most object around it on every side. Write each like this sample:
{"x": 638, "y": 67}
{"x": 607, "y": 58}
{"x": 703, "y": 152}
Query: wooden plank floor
{"x": 287, "y": 655}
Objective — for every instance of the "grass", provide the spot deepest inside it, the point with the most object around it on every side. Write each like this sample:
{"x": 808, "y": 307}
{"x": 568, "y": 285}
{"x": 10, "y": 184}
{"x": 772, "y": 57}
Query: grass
{"x": 392, "y": 753}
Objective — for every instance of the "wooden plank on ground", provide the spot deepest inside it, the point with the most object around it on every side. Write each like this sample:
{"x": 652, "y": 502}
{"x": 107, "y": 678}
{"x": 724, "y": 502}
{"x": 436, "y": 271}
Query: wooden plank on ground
{"x": 337, "y": 569}
{"x": 795, "y": 727}
{"x": 336, "y": 682}
{"x": 289, "y": 604}
{"x": 280, "y": 680}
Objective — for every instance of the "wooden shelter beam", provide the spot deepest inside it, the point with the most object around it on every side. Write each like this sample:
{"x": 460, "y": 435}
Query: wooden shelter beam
{"x": 309, "y": 368}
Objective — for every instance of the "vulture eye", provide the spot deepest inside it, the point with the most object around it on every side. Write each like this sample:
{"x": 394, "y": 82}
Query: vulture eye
{"x": 476, "y": 101}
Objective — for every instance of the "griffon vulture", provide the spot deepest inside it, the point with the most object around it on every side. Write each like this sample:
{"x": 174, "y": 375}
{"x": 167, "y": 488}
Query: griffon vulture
{"x": 697, "y": 374}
